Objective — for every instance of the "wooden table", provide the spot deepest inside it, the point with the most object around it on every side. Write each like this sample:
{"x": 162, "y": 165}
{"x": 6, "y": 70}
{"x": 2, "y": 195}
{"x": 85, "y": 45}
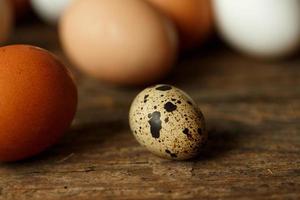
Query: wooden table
{"x": 253, "y": 115}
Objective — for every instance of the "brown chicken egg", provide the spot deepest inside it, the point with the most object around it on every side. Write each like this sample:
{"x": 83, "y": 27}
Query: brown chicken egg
{"x": 6, "y": 20}
{"x": 38, "y": 101}
{"x": 193, "y": 18}
{"x": 125, "y": 43}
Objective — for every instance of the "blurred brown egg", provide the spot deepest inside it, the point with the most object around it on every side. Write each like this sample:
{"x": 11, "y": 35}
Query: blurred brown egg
{"x": 6, "y": 20}
{"x": 21, "y": 7}
{"x": 124, "y": 43}
{"x": 194, "y": 19}
{"x": 37, "y": 100}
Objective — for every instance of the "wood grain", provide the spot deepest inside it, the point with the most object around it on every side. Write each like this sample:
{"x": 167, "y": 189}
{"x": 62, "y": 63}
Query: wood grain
{"x": 252, "y": 110}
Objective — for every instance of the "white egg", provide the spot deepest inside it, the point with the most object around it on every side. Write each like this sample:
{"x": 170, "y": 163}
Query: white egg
{"x": 6, "y": 20}
{"x": 262, "y": 28}
{"x": 50, "y": 10}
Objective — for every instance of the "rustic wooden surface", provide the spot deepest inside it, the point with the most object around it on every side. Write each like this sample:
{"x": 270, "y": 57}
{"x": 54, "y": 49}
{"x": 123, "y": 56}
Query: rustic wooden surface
{"x": 253, "y": 115}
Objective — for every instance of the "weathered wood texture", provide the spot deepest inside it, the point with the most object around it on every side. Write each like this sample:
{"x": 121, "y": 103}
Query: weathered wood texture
{"x": 253, "y": 115}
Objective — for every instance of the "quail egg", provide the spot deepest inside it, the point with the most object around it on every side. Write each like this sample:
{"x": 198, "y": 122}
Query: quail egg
{"x": 166, "y": 121}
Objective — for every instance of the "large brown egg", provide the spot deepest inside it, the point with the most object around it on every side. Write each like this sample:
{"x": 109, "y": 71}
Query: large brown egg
{"x": 126, "y": 42}
{"x": 6, "y": 20}
{"x": 193, "y": 19}
{"x": 38, "y": 101}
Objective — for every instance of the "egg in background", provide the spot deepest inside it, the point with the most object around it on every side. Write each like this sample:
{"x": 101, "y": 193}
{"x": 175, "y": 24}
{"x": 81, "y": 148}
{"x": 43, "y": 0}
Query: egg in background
{"x": 193, "y": 18}
{"x": 262, "y": 28}
{"x": 122, "y": 43}
{"x": 49, "y": 10}
{"x": 6, "y": 20}
{"x": 38, "y": 100}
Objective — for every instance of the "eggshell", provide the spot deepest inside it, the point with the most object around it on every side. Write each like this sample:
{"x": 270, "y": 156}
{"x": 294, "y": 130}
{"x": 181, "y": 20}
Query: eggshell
{"x": 123, "y": 43}
{"x": 266, "y": 29}
{"x": 194, "y": 19}
{"x": 6, "y": 20}
{"x": 50, "y": 10}
{"x": 37, "y": 100}
{"x": 167, "y": 122}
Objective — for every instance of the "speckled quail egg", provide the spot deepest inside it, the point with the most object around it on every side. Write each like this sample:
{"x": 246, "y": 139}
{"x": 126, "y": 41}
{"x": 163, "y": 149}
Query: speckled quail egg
{"x": 166, "y": 121}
